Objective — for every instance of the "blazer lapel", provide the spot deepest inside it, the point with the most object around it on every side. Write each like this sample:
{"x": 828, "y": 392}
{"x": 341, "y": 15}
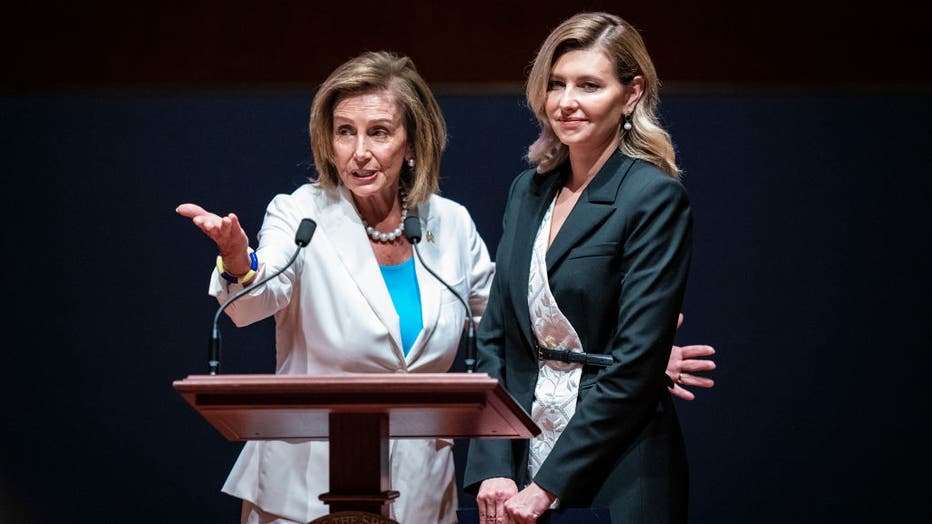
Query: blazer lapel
{"x": 543, "y": 189}
{"x": 344, "y": 227}
{"x": 593, "y": 207}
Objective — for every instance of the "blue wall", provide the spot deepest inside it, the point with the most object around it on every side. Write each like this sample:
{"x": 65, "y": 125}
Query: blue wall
{"x": 810, "y": 277}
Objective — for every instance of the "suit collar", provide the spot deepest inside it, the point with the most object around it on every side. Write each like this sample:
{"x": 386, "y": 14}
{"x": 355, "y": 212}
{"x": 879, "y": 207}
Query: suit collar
{"x": 344, "y": 226}
{"x": 431, "y": 290}
{"x": 603, "y": 189}
{"x": 544, "y": 187}
{"x": 594, "y": 206}
{"x": 351, "y": 246}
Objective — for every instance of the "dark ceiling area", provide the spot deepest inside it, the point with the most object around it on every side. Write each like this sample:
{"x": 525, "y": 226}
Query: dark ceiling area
{"x": 246, "y": 44}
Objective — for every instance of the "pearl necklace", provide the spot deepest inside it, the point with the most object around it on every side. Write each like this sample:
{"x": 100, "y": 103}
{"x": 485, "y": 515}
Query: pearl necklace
{"x": 378, "y": 236}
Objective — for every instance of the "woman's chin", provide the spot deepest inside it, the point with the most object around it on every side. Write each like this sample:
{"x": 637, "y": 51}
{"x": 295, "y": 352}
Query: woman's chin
{"x": 369, "y": 190}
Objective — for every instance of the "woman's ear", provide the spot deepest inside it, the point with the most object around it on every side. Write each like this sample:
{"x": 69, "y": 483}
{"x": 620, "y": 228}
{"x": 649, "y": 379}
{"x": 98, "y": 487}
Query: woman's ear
{"x": 634, "y": 90}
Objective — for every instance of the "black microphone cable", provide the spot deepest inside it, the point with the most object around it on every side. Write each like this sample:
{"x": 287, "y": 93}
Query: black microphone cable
{"x": 302, "y": 238}
{"x": 412, "y": 230}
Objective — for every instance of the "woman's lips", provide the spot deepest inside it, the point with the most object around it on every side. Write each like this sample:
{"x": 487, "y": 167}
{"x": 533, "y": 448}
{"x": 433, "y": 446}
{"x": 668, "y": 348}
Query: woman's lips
{"x": 571, "y": 122}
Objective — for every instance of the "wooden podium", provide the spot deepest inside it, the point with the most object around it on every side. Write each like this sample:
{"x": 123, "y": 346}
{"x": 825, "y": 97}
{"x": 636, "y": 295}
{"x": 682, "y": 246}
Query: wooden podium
{"x": 357, "y": 413}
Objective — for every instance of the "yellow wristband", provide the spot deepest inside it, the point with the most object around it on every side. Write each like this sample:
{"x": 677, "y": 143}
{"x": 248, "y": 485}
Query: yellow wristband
{"x": 253, "y": 266}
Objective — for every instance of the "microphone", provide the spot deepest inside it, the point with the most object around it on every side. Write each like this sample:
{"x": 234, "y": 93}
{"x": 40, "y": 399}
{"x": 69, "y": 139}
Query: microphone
{"x": 302, "y": 238}
{"x": 412, "y": 230}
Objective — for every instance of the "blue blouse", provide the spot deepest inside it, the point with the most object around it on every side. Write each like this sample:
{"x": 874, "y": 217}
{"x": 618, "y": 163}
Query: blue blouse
{"x": 401, "y": 281}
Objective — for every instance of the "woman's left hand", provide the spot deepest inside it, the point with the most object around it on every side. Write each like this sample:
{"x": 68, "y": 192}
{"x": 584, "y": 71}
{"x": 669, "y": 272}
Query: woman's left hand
{"x": 528, "y": 505}
{"x": 684, "y": 365}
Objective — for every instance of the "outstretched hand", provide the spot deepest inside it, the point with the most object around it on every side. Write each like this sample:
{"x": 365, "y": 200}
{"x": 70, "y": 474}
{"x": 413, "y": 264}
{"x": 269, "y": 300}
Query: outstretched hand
{"x": 685, "y": 364}
{"x": 226, "y": 232}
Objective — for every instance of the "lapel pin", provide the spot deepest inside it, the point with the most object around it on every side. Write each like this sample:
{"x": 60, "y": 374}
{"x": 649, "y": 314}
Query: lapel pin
{"x": 430, "y": 236}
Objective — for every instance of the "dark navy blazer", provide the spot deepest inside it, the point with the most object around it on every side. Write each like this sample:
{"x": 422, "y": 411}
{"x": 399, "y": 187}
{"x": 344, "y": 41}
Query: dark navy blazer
{"x": 617, "y": 269}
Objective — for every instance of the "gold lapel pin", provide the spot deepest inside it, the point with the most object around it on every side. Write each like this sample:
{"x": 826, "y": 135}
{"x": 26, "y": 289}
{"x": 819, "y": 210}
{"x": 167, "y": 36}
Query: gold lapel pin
{"x": 430, "y": 236}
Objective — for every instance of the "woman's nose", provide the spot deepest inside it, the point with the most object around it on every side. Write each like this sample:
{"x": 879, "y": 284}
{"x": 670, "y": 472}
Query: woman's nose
{"x": 361, "y": 152}
{"x": 568, "y": 99}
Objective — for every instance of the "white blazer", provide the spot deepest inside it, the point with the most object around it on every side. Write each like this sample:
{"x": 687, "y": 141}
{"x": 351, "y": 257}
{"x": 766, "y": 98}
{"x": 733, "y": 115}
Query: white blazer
{"x": 333, "y": 314}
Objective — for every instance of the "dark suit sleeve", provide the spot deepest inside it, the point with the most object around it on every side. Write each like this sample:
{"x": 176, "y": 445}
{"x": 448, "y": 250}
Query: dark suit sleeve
{"x": 491, "y": 458}
{"x": 608, "y": 419}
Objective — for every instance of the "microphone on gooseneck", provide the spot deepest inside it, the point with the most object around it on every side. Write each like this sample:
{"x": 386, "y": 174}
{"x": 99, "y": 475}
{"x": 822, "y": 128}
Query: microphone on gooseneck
{"x": 302, "y": 238}
{"x": 412, "y": 229}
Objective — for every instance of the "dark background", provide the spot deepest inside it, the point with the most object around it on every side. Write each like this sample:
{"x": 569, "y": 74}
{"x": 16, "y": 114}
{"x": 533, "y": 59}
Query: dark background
{"x": 803, "y": 129}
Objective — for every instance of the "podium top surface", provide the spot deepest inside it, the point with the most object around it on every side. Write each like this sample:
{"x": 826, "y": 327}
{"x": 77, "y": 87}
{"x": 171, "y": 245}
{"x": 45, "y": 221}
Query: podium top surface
{"x": 418, "y": 405}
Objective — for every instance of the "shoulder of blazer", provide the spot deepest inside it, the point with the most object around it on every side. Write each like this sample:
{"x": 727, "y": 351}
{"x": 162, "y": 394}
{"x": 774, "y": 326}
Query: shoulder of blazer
{"x": 526, "y": 181}
{"x": 529, "y": 184}
{"x": 630, "y": 182}
{"x": 443, "y": 212}
{"x": 644, "y": 173}
{"x": 304, "y": 201}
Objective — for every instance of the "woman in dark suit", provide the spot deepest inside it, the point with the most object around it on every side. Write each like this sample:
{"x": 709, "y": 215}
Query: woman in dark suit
{"x": 590, "y": 276}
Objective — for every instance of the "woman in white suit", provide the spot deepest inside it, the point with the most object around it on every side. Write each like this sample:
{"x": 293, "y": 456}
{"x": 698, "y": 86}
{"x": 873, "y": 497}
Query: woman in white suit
{"x": 356, "y": 300}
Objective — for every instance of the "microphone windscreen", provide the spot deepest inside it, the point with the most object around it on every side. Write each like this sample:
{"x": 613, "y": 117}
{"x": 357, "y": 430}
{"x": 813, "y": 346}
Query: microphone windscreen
{"x": 413, "y": 229}
{"x": 305, "y": 231}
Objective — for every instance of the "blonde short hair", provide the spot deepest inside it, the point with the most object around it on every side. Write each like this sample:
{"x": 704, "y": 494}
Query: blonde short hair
{"x": 423, "y": 121}
{"x": 623, "y": 45}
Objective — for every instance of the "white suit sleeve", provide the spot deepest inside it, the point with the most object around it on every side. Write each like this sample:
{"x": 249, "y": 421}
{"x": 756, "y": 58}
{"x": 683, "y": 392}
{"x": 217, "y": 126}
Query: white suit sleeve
{"x": 276, "y": 246}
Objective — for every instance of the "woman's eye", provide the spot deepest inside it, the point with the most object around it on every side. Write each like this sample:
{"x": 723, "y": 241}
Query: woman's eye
{"x": 344, "y": 131}
{"x": 379, "y": 132}
{"x": 590, "y": 86}
{"x": 554, "y": 84}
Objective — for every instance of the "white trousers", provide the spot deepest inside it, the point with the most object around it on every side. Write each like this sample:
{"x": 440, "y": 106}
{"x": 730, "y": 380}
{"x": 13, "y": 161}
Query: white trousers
{"x": 252, "y": 514}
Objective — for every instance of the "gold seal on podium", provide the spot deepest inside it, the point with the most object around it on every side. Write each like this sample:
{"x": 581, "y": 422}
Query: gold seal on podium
{"x": 353, "y": 517}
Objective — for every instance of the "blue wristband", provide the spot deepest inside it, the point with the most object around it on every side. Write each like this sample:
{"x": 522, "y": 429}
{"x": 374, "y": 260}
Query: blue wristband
{"x": 253, "y": 266}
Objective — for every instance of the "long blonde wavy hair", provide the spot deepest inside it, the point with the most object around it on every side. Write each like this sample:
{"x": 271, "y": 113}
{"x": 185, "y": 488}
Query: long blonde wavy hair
{"x": 646, "y": 139}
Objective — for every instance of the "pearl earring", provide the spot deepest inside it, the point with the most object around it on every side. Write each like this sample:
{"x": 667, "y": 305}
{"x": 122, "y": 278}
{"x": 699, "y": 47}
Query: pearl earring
{"x": 411, "y": 163}
{"x": 627, "y": 126}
